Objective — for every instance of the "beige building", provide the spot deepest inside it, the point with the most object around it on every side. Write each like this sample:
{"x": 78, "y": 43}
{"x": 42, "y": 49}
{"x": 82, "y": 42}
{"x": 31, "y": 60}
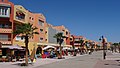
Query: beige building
{"x": 21, "y": 15}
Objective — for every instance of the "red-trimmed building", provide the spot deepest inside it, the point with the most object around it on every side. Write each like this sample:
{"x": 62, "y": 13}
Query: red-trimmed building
{"x": 75, "y": 40}
{"x": 6, "y": 24}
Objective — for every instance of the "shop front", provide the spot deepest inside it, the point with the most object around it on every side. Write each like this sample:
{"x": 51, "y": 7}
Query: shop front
{"x": 9, "y": 52}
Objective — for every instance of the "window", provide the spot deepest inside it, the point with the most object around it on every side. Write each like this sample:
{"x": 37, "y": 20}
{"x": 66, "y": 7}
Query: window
{"x": 41, "y": 30}
{"x": 0, "y": 25}
{"x": 6, "y": 25}
{"x": 77, "y": 39}
{"x": 41, "y": 39}
{"x": 20, "y": 15}
{"x": 32, "y": 18}
{"x": 41, "y": 23}
{"x": 66, "y": 33}
{"x": 45, "y": 39}
{"x": 63, "y": 30}
{"x": 4, "y": 11}
{"x": 45, "y": 32}
{"x": 29, "y": 17}
{"x": 4, "y": 37}
{"x": 19, "y": 38}
{"x": 81, "y": 38}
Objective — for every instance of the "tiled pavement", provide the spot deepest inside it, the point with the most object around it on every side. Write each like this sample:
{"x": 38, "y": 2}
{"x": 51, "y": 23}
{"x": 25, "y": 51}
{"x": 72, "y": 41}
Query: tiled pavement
{"x": 112, "y": 61}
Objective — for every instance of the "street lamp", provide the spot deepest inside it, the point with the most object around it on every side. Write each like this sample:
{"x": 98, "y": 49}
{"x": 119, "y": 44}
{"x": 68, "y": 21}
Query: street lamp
{"x": 103, "y": 43}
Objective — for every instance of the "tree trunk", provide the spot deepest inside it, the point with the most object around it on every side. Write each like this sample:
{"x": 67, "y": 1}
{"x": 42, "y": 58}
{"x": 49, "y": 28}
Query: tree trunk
{"x": 115, "y": 49}
{"x": 74, "y": 53}
{"x": 60, "y": 51}
{"x": 26, "y": 44}
{"x": 119, "y": 48}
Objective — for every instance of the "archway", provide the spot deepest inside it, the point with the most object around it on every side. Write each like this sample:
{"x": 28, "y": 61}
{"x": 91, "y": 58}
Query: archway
{"x": 39, "y": 52}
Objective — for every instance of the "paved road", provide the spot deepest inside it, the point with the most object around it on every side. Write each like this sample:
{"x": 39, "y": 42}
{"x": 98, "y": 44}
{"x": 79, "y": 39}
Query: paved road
{"x": 84, "y": 61}
{"x": 87, "y": 61}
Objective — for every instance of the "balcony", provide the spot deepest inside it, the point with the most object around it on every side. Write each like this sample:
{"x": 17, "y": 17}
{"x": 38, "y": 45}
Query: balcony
{"x": 76, "y": 43}
{"x": 77, "y": 40}
{"x": 4, "y": 11}
{"x": 5, "y": 30}
{"x": 5, "y": 40}
{"x": 5, "y": 15}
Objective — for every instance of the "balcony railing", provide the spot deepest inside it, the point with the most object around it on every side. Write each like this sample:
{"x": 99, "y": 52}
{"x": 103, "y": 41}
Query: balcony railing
{"x": 7, "y": 27}
{"x": 6, "y": 42}
{"x": 5, "y": 30}
{"x": 5, "y": 39}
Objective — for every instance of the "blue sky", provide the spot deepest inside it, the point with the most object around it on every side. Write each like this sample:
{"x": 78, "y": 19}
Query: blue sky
{"x": 89, "y": 18}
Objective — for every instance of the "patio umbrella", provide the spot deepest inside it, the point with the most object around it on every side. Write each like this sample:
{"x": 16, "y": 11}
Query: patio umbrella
{"x": 47, "y": 47}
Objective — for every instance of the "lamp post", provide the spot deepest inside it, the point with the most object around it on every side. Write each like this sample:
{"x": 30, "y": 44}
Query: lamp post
{"x": 103, "y": 43}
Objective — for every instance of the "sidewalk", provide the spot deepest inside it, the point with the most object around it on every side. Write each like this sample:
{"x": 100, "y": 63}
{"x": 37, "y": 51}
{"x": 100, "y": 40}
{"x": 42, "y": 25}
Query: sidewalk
{"x": 112, "y": 61}
{"x": 38, "y": 62}
{"x": 113, "y": 56}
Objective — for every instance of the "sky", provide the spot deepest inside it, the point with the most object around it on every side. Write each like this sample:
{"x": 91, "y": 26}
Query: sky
{"x": 88, "y": 18}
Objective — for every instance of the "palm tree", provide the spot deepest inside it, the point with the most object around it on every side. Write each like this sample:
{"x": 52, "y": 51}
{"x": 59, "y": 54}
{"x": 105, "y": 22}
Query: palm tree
{"x": 86, "y": 43}
{"x": 81, "y": 42}
{"x": 27, "y": 31}
{"x": 115, "y": 46}
{"x": 119, "y": 47}
{"x": 81, "y": 45}
{"x": 59, "y": 37}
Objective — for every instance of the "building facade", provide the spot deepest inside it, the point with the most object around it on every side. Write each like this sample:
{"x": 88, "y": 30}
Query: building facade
{"x": 12, "y": 15}
{"x": 75, "y": 41}
{"x": 66, "y": 33}
{"x": 6, "y": 26}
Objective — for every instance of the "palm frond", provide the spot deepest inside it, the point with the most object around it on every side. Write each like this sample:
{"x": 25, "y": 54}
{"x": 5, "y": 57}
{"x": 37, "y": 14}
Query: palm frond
{"x": 26, "y": 29}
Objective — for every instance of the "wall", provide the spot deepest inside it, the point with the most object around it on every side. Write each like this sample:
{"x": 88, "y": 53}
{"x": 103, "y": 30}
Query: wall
{"x": 51, "y": 33}
{"x": 18, "y": 11}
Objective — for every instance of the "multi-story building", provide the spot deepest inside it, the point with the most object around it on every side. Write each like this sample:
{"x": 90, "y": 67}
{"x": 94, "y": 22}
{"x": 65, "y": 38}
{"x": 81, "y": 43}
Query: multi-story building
{"x": 51, "y": 33}
{"x": 12, "y": 15}
{"x": 21, "y": 15}
{"x": 66, "y": 33}
{"x": 75, "y": 41}
{"x": 6, "y": 25}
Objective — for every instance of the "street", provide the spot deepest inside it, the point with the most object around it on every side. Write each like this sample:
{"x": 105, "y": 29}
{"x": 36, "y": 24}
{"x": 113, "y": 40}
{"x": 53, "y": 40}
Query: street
{"x": 87, "y": 61}
{"x": 95, "y": 60}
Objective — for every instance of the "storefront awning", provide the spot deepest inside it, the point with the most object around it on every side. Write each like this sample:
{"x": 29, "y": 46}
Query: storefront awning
{"x": 67, "y": 45}
{"x": 41, "y": 44}
{"x": 13, "y": 47}
{"x": 51, "y": 44}
{"x": 47, "y": 47}
{"x": 66, "y": 48}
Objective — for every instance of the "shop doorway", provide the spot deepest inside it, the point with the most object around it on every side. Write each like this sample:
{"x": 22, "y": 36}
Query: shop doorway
{"x": 39, "y": 52}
